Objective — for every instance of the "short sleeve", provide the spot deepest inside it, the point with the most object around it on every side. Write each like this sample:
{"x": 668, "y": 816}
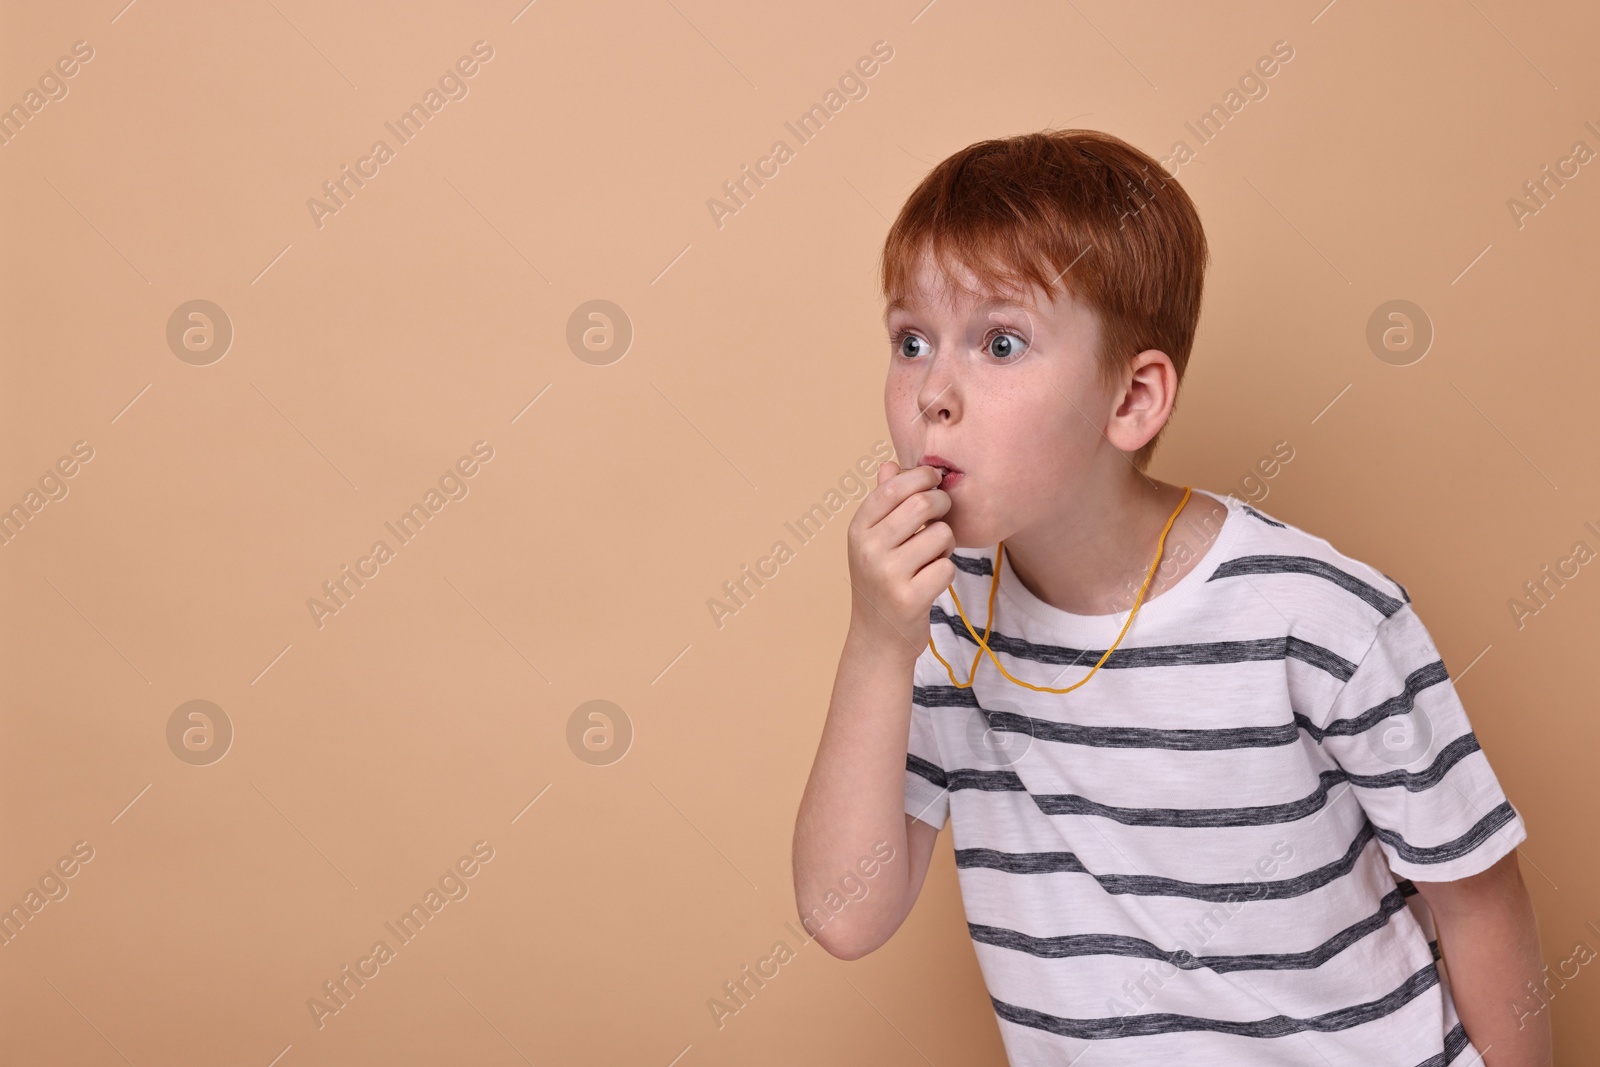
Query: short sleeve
{"x": 1399, "y": 733}
{"x": 927, "y": 797}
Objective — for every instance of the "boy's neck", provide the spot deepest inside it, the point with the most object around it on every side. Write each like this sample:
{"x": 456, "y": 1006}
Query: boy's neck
{"x": 1091, "y": 558}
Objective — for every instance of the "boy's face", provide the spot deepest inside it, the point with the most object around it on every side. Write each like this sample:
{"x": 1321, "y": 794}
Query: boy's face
{"x": 1007, "y": 392}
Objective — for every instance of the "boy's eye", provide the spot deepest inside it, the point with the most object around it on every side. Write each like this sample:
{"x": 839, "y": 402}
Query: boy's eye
{"x": 1005, "y": 345}
{"x": 905, "y": 342}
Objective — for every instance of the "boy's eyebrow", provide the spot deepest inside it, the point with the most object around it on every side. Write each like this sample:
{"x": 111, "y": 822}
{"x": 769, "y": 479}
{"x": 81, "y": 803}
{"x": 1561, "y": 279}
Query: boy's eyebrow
{"x": 1014, "y": 302}
{"x": 991, "y": 304}
{"x": 908, "y": 305}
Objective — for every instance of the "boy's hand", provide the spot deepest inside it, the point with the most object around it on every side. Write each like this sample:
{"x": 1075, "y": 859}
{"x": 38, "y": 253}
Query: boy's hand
{"x": 897, "y": 569}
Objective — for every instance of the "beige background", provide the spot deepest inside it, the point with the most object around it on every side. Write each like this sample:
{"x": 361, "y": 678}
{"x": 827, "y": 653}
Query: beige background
{"x": 432, "y": 309}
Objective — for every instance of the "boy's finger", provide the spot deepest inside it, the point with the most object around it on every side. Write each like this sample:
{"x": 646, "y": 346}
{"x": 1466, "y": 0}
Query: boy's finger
{"x": 874, "y": 507}
{"x": 907, "y": 516}
{"x": 882, "y": 501}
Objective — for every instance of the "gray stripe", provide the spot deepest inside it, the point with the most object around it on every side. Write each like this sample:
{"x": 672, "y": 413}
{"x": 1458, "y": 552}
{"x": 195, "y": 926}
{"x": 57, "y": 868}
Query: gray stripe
{"x": 1428, "y": 674}
{"x": 1066, "y": 946}
{"x": 1498, "y": 816}
{"x": 930, "y": 697}
{"x": 1248, "y": 510}
{"x": 1186, "y": 818}
{"x": 1316, "y": 568}
{"x": 1000, "y": 781}
{"x": 1192, "y": 818}
{"x": 1455, "y": 1042}
{"x": 984, "y": 781}
{"x": 1403, "y": 594}
{"x": 931, "y": 771}
{"x": 949, "y": 696}
{"x": 983, "y": 566}
{"x": 1262, "y": 649}
{"x": 1427, "y": 778}
{"x": 1140, "y": 737}
{"x": 1149, "y": 1023}
{"x": 1157, "y": 886}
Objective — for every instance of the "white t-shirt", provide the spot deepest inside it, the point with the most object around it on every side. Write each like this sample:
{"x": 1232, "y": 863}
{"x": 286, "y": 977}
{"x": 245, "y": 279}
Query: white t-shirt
{"x": 1188, "y": 859}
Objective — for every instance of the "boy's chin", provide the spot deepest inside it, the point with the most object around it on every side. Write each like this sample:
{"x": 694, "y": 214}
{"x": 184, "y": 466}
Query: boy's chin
{"x": 975, "y": 531}
{"x": 971, "y": 535}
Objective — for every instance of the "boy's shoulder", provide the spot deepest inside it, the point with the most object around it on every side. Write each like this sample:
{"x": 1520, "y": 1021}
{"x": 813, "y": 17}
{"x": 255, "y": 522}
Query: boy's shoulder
{"x": 1327, "y": 595}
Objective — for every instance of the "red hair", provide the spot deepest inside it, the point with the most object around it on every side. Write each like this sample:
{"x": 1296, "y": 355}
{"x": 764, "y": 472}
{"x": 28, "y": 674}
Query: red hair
{"x": 1078, "y": 210}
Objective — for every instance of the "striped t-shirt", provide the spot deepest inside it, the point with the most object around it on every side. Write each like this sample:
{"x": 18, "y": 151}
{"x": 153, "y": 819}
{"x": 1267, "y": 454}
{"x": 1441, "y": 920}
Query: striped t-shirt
{"x": 1203, "y": 855}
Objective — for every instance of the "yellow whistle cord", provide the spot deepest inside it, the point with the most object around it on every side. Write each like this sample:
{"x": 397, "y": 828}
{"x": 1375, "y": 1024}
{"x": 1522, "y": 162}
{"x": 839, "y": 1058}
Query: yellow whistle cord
{"x": 994, "y": 584}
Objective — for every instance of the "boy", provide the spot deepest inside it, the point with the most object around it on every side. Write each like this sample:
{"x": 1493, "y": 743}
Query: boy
{"x": 1214, "y": 798}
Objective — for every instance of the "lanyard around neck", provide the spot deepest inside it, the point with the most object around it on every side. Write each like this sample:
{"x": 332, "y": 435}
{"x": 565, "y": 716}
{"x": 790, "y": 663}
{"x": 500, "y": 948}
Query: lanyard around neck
{"x": 994, "y": 584}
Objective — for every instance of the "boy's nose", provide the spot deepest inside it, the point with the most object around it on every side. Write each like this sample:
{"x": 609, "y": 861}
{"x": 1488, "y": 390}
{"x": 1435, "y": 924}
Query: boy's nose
{"x": 937, "y": 399}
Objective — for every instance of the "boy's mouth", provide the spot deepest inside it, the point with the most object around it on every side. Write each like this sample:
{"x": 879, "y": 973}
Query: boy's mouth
{"x": 949, "y": 474}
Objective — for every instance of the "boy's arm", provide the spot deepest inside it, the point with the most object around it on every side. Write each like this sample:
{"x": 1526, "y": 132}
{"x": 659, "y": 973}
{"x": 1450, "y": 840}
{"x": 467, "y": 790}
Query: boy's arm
{"x": 1400, "y": 732}
{"x": 1489, "y": 938}
{"x": 854, "y": 800}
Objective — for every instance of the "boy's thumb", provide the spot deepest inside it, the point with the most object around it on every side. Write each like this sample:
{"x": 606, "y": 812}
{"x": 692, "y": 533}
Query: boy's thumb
{"x": 888, "y": 466}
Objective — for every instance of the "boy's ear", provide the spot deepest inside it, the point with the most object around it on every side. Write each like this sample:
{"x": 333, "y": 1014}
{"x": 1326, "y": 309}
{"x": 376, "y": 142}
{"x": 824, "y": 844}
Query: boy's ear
{"x": 1146, "y": 401}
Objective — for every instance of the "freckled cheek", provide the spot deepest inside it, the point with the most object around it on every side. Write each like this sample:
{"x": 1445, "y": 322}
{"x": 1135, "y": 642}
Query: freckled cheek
{"x": 1029, "y": 432}
{"x": 900, "y": 415}
{"x": 894, "y": 394}
{"x": 1037, "y": 448}
{"x": 899, "y": 408}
